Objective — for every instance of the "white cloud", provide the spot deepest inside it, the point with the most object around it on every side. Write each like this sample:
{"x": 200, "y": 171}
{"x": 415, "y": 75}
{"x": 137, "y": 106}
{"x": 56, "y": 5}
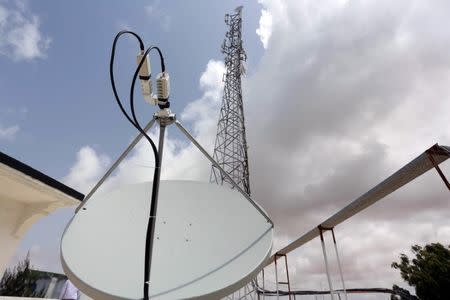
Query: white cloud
{"x": 181, "y": 160}
{"x": 265, "y": 27}
{"x": 20, "y": 35}
{"x": 153, "y": 7}
{"x": 155, "y": 12}
{"x": 87, "y": 169}
{"x": 8, "y": 133}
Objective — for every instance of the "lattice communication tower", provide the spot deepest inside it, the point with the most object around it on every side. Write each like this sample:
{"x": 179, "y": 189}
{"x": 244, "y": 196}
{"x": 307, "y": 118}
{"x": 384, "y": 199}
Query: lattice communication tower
{"x": 230, "y": 149}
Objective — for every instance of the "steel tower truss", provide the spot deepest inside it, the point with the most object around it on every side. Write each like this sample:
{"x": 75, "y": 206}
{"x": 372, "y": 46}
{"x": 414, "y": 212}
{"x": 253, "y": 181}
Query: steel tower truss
{"x": 230, "y": 149}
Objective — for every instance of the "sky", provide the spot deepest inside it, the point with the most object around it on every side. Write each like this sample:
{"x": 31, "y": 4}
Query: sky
{"x": 338, "y": 95}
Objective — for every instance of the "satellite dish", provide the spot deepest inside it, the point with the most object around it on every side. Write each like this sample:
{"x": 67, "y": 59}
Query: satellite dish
{"x": 209, "y": 242}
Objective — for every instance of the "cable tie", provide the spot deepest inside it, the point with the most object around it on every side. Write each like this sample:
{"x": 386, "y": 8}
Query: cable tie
{"x": 145, "y": 77}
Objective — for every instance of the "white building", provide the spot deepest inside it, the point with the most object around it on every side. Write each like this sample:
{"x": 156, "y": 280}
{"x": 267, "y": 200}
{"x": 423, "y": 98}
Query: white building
{"x": 26, "y": 195}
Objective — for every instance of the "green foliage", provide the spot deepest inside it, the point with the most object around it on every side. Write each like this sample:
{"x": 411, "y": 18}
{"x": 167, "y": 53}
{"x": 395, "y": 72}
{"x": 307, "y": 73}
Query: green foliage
{"x": 428, "y": 271}
{"x": 401, "y": 294}
{"x": 20, "y": 281}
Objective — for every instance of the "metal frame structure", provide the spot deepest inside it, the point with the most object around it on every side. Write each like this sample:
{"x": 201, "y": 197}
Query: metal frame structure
{"x": 408, "y": 173}
{"x": 230, "y": 149}
{"x": 322, "y": 241}
{"x": 339, "y": 264}
{"x": 327, "y": 269}
{"x": 284, "y": 293}
{"x": 165, "y": 118}
{"x": 428, "y": 160}
{"x": 277, "y": 282}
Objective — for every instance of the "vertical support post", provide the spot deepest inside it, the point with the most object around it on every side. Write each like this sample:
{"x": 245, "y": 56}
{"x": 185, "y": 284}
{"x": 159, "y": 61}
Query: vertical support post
{"x": 51, "y": 287}
{"x": 339, "y": 264}
{"x": 276, "y": 278}
{"x": 287, "y": 275}
{"x": 256, "y": 285}
{"x": 263, "y": 285}
{"x": 326, "y": 263}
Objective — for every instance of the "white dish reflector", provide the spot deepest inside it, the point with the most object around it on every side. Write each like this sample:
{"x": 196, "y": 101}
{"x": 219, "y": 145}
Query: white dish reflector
{"x": 209, "y": 242}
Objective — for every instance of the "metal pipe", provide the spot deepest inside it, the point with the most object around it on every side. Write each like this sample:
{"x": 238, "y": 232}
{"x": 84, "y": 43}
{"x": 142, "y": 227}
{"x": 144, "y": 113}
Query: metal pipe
{"x": 116, "y": 163}
{"x": 339, "y": 264}
{"x": 256, "y": 285}
{"x": 406, "y": 174}
{"x": 192, "y": 139}
{"x": 276, "y": 279}
{"x": 326, "y": 264}
{"x": 287, "y": 275}
{"x": 247, "y": 292}
{"x": 264, "y": 288}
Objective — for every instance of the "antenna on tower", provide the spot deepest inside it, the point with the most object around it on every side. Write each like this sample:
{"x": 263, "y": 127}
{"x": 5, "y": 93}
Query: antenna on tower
{"x": 230, "y": 150}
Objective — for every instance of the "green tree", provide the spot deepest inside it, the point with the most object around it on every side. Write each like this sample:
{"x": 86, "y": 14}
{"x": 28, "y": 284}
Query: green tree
{"x": 428, "y": 271}
{"x": 20, "y": 281}
{"x": 401, "y": 294}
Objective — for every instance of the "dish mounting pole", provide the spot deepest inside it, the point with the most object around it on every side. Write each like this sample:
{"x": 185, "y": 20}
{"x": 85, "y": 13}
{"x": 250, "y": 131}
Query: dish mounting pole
{"x": 164, "y": 118}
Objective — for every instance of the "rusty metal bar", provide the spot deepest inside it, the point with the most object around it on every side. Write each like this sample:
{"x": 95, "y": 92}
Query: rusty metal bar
{"x": 436, "y": 166}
